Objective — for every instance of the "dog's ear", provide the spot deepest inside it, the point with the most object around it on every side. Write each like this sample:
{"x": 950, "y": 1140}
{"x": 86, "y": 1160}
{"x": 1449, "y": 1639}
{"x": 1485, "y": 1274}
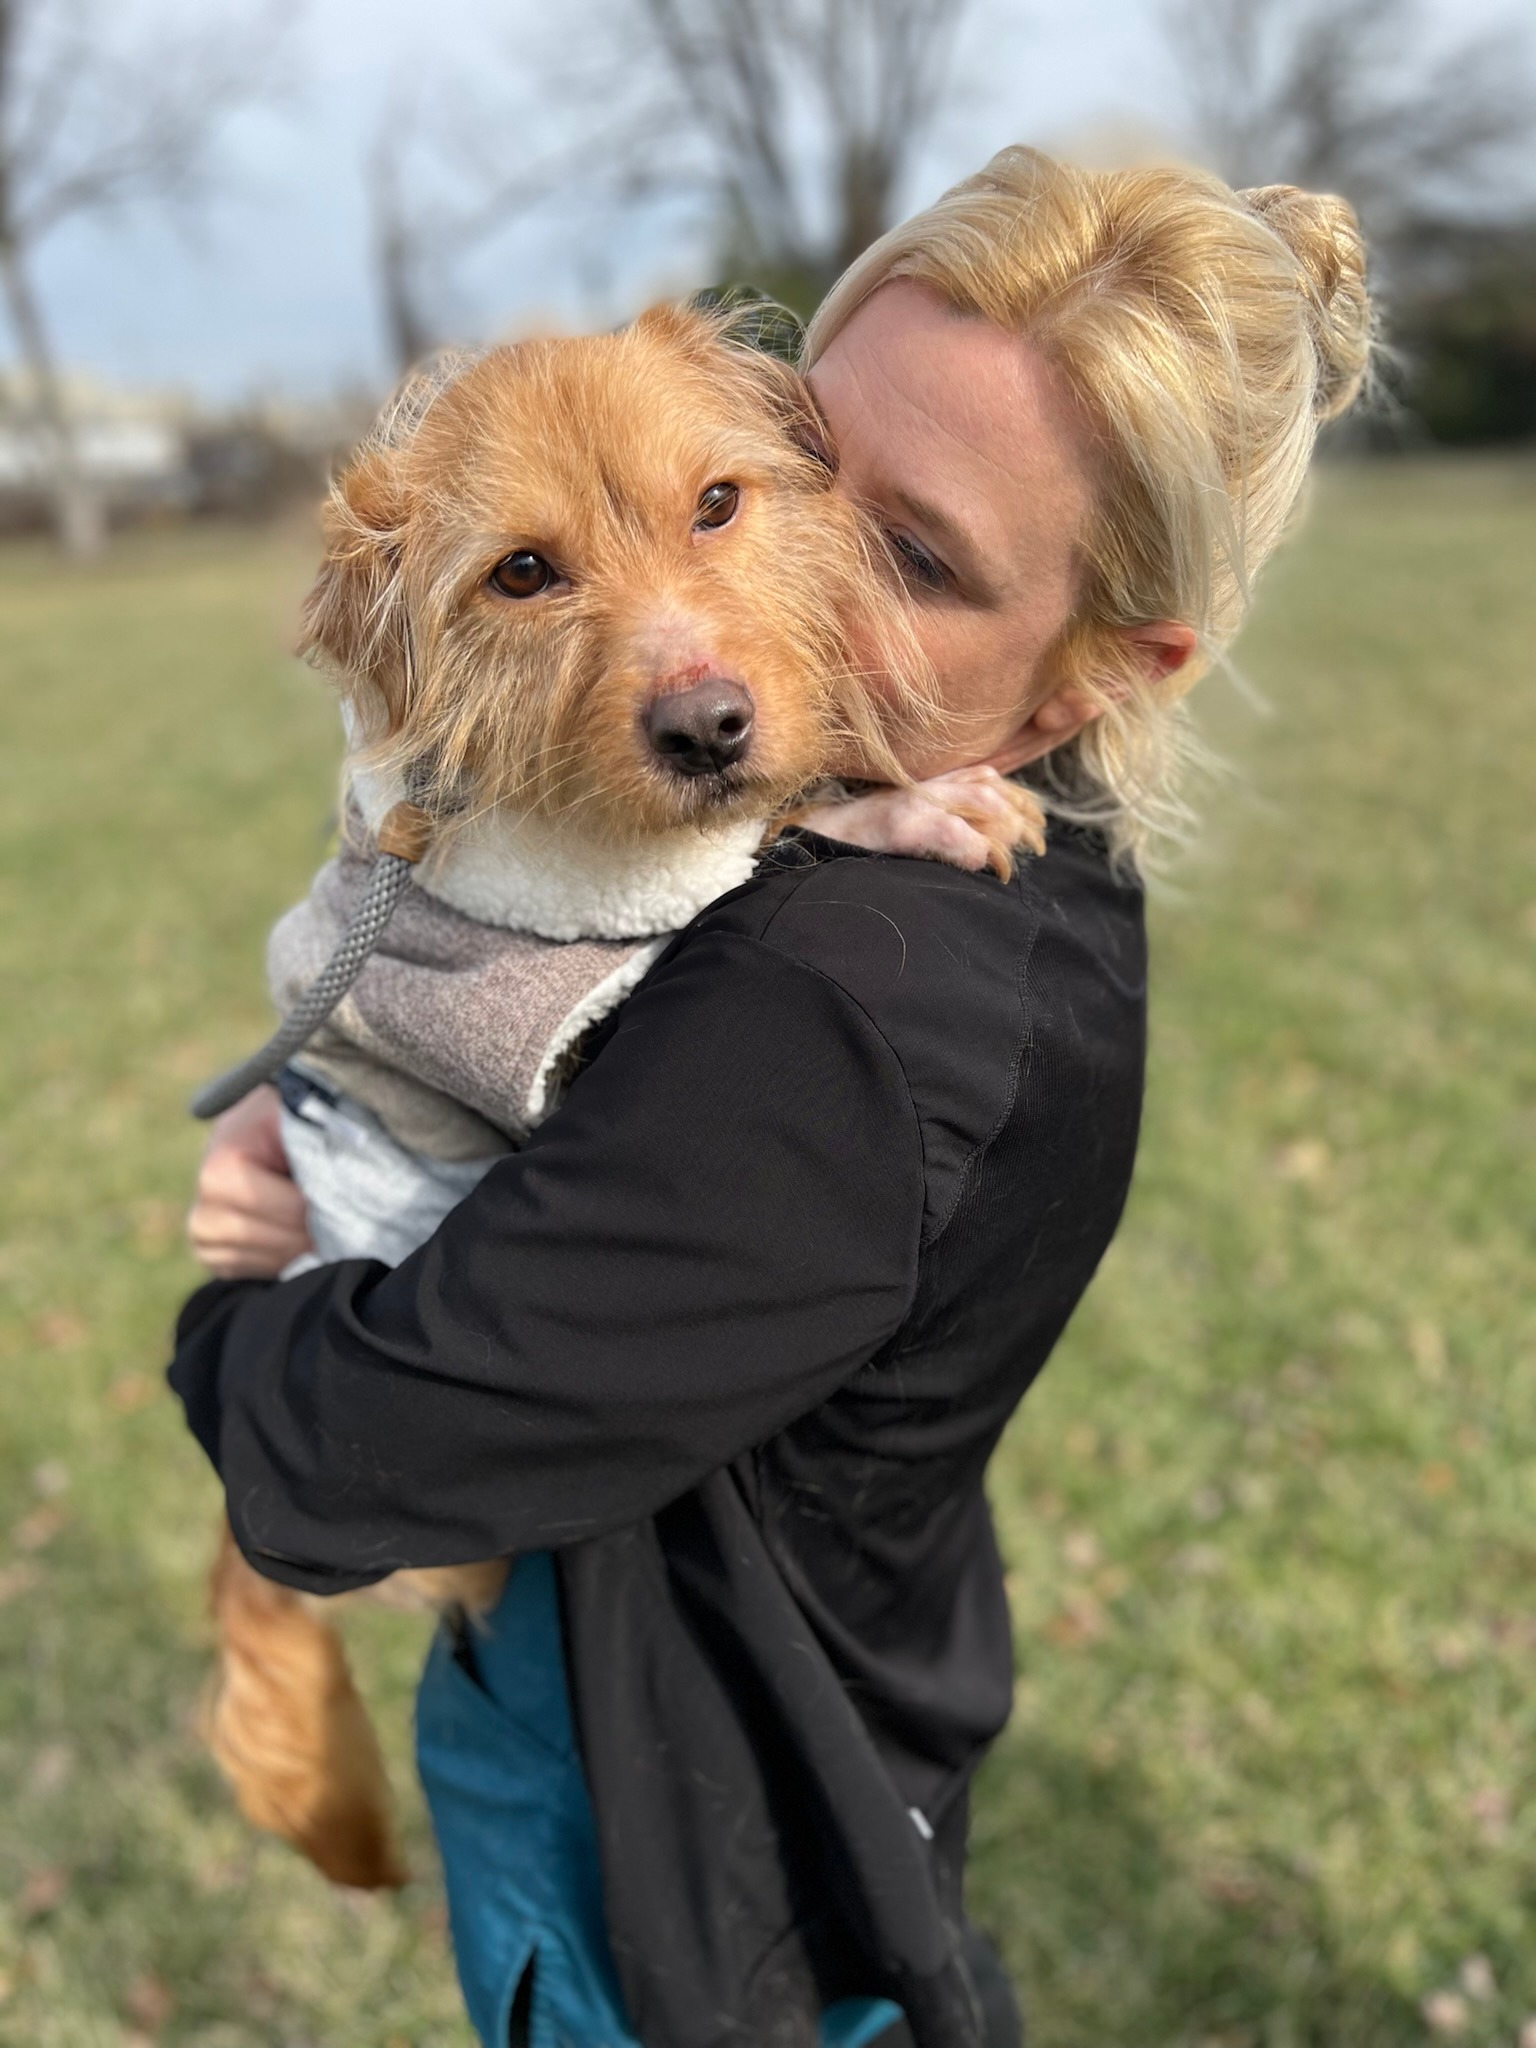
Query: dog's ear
{"x": 354, "y": 621}
{"x": 743, "y": 331}
{"x": 794, "y": 405}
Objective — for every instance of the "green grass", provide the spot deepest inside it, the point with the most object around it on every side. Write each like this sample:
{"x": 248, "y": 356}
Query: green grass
{"x": 1271, "y": 1515}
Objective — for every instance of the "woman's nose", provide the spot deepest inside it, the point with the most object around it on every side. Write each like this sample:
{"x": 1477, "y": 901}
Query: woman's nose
{"x": 700, "y": 731}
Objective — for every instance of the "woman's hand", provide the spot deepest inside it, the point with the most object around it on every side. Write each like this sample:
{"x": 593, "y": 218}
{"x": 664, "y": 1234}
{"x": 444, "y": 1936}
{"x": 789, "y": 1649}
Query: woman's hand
{"x": 247, "y": 1217}
{"x": 971, "y": 818}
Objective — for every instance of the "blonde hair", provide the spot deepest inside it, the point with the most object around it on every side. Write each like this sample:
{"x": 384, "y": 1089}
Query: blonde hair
{"x": 1208, "y": 334}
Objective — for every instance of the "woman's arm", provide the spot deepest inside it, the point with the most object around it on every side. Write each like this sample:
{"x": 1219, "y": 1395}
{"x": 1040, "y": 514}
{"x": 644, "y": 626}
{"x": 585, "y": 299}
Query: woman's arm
{"x": 247, "y": 1219}
{"x": 719, "y": 1226}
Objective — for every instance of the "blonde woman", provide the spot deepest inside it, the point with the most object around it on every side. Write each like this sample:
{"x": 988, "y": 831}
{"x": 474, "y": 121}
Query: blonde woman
{"x": 721, "y": 1356}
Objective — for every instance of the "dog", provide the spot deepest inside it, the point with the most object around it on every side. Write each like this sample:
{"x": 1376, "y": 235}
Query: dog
{"x": 598, "y": 617}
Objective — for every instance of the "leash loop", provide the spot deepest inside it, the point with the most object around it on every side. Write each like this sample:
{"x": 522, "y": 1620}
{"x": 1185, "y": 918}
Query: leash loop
{"x": 402, "y": 839}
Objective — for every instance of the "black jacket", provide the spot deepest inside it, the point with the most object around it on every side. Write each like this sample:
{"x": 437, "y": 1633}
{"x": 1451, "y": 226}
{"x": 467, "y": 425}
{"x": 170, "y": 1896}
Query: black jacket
{"x": 736, "y": 1334}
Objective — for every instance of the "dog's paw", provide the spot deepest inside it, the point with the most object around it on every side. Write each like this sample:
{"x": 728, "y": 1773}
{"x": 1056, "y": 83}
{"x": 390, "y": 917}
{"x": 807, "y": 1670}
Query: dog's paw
{"x": 970, "y": 818}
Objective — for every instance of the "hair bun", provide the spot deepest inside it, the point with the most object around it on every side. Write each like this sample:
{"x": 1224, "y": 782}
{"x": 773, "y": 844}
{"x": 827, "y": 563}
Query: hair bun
{"x": 1322, "y": 233}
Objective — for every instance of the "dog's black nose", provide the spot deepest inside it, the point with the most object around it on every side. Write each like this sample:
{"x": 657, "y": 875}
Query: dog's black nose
{"x": 702, "y": 730}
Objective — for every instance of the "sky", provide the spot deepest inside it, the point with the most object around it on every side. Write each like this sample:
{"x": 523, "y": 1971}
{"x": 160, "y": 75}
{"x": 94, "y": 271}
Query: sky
{"x": 267, "y": 289}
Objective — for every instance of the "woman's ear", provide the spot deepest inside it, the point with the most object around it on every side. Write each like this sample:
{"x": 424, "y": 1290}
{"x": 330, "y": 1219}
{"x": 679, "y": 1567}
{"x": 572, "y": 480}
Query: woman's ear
{"x": 1159, "y": 650}
{"x": 1153, "y": 653}
{"x": 354, "y": 620}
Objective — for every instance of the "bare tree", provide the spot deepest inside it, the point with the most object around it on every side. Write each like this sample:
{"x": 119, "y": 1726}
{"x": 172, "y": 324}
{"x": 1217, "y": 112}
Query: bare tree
{"x": 88, "y": 127}
{"x": 784, "y": 127}
{"x": 803, "y": 115}
{"x": 403, "y": 247}
{"x": 1351, "y": 96}
{"x": 439, "y": 188}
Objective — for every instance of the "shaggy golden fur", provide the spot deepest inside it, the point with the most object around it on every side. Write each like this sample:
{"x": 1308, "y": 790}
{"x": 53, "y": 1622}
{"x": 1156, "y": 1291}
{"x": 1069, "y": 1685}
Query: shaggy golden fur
{"x": 596, "y": 458}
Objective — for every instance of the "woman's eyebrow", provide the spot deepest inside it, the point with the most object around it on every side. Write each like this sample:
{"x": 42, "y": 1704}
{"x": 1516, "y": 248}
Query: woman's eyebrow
{"x": 958, "y": 546}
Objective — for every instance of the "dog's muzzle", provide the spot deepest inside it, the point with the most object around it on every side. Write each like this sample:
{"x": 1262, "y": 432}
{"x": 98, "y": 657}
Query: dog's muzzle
{"x": 703, "y": 730}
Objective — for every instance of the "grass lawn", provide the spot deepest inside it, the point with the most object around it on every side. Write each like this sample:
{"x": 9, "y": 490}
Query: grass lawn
{"x": 1271, "y": 1515}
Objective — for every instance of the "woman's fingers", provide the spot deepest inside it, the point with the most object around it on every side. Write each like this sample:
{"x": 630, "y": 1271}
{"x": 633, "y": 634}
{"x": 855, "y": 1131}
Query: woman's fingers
{"x": 244, "y": 1222}
{"x": 247, "y": 1218}
{"x": 253, "y": 1127}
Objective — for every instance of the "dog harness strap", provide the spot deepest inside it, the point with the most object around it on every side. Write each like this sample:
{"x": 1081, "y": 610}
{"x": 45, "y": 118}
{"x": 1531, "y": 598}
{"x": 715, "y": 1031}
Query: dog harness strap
{"x": 387, "y": 880}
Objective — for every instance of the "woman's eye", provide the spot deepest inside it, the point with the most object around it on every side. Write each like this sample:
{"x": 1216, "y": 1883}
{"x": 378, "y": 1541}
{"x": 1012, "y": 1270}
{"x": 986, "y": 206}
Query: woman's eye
{"x": 524, "y": 574}
{"x": 717, "y": 506}
{"x": 917, "y": 561}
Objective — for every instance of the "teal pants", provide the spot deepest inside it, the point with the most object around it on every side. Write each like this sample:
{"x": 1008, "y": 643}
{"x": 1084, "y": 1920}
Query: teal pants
{"x": 514, "y": 1824}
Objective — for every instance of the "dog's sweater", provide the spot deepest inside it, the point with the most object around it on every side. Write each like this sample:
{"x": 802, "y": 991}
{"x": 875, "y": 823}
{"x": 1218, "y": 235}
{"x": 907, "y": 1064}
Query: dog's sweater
{"x": 460, "y": 1033}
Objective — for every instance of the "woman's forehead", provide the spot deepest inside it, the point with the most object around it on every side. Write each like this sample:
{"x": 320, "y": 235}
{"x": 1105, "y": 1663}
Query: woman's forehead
{"x": 956, "y": 414}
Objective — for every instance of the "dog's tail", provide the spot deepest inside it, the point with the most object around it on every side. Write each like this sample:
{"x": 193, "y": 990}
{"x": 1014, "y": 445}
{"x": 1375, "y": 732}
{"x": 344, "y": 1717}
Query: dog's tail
{"x": 290, "y": 1731}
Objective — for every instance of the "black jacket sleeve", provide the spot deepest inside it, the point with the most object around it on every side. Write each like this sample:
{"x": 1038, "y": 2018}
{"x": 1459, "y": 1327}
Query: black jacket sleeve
{"x": 718, "y": 1227}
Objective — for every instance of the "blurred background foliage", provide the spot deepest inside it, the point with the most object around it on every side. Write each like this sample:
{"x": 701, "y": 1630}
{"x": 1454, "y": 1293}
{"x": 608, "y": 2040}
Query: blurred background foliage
{"x": 647, "y": 145}
{"x": 1268, "y": 1517}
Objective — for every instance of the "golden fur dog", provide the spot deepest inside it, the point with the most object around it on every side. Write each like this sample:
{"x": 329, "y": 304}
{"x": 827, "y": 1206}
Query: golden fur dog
{"x": 608, "y": 582}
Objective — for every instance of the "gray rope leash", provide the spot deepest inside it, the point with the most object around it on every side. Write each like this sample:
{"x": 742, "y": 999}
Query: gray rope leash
{"x": 387, "y": 881}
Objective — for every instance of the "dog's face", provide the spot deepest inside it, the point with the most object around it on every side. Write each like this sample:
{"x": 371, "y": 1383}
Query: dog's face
{"x": 608, "y": 577}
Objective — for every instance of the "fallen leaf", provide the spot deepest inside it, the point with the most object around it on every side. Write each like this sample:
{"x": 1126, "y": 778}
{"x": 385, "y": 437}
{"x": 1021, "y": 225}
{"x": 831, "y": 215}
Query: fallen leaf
{"x": 1079, "y": 1620}
{"x": 1300, "y": 1376}
{"x": 52, "y": 1767}
{"x": 1438, "y": 1479}
{"x": 1358, "y": 1330}
{"x": 1478, "y": 1980}
{"x": 1305, "y": 1161}
{"x": 1490, "y": 1808}
{"x": 1232, "y": 1886}
{"x": 132, "y": 1391}
{"x": 1198, "y": 1560}
{"x": 38, "y": 1529}
{"x": 1455, "y": 1650}
{"x": 59, "y": 1329}
{"x": 149, "y": 2002}
{"x": 16, "y": 1579}
{"x": 1426, "y": 1347}
{"x": 43, "y": 1893}
{"x": 1445, "y": 2012}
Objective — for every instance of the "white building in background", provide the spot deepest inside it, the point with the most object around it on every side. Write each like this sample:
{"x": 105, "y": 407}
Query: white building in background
{"x": 130, "y": 444}
{"x": 143, "y": 452}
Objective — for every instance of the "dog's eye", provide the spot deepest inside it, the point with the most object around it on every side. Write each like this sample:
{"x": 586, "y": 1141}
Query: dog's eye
{"x": 524, "y": 574}
{"x": 717, "y": 507}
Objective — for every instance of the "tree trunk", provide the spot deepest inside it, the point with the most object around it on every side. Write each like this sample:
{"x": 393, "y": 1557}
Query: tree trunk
{"x": 78, "y": 513}
{"x": 410, "y": 337}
